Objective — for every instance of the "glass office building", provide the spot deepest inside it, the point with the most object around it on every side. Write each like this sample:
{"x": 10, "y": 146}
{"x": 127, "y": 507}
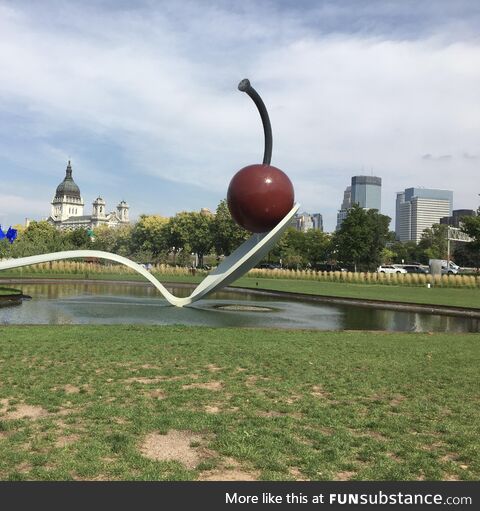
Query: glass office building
{"x": 367, "y": 192}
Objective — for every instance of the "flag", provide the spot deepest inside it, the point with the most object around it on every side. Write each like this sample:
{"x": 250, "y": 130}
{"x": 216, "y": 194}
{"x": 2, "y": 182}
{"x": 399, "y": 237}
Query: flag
{"x": 11, "y": 235}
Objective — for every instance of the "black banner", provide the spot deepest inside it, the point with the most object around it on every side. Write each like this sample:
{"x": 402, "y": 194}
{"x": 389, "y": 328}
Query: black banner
{"x": 237, "y": 495}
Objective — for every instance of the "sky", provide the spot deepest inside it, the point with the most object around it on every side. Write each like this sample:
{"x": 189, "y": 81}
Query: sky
{"x": 142, "y": 97}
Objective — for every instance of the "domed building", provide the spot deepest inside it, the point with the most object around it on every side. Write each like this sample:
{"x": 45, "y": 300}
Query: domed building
{"x": 68, "y": 208}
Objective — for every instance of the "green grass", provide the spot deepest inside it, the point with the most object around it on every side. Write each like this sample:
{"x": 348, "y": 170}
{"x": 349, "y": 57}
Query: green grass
{"x": 454, "y": 297}
{"x": 5, "y": 291}
{"x": 286, "y": 405}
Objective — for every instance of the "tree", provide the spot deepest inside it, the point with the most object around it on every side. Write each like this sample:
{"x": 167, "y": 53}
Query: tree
{"x": 38, "y": 238}
{"x": 290, "y": 249}
{"x": 433, "y": 243}
{"x": 316, "y": 246}
{"x": 467, "y": 255}
{"x": 387, "y": 255}
{"x": 361, "y": 238}
{"x": 149, "y": 235}
{"x": 194, "y": 232}
{"x": 470, "y": 251}
{"x": 117, "y": 240}
{"x": 471, "y": 226}
{"x": 405, "y": 252}
{"x": 175, "y": 236}
{"x": 77, "y": 239}
{"x": 226, "y": 233}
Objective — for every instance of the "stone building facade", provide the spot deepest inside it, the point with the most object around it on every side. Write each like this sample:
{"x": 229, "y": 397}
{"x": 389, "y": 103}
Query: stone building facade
{"x": 68, "y": 208}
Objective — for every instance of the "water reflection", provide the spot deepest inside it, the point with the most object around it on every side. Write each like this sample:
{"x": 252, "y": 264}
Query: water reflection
{"x": 106, "y": 303}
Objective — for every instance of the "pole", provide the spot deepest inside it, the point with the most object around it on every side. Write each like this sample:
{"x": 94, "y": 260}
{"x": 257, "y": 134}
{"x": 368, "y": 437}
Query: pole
{"x": 448, "y": 248}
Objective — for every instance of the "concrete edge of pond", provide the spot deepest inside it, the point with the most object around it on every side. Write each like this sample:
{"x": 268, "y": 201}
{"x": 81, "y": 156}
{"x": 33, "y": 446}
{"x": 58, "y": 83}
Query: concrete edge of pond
{"x": 365, "y": 302}
{"x": 360, "y": 302}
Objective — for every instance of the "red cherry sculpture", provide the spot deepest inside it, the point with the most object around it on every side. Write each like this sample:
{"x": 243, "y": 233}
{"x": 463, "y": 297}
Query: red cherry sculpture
{"x": 260, "y": 195}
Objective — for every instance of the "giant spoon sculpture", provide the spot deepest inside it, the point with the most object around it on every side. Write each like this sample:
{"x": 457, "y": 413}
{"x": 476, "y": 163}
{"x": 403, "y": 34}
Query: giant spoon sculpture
{"x": 260, "y": 199}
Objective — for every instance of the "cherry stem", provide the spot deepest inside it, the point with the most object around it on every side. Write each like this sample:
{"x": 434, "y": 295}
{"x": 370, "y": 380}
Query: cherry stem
{"x": 245, "y": 86}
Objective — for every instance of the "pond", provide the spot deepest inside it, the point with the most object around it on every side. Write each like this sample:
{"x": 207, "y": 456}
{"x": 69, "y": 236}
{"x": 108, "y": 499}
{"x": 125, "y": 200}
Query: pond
{"x": 108, "y": 303}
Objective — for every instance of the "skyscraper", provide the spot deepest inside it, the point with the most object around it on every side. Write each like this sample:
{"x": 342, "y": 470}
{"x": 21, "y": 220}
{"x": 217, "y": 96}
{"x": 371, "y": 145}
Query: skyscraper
{"x": 317, "y": 221}
{"x": 367, "y": 192}
{"x": 307, "y": 221}
{"x": 418, "y": 209}
{"x": 346, "y": 205}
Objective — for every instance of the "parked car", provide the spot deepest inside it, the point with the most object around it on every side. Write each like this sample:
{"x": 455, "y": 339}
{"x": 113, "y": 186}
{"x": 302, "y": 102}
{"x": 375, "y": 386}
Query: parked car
{"x": 415, "y": 268}
{"x": 390, "y": 268}
{"x": 270, "y": 266}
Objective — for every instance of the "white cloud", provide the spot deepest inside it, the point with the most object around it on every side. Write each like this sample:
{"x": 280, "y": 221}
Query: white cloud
{"x": 17, "y": 205}
{"x": 160, "y": 84}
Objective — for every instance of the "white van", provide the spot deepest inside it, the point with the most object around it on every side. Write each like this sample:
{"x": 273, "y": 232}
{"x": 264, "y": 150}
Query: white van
{"x": 448, "y": 267}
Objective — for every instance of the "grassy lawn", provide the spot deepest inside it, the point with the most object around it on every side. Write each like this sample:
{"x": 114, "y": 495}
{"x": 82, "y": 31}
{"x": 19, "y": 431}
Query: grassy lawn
{"x": 106, "y": 402}
{"x": 455, "y": 297}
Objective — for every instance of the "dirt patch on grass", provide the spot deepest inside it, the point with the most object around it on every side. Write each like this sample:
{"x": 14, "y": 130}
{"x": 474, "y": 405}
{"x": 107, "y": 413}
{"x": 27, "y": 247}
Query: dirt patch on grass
{"x": 174, "y": 446}
{"x": 297, "y": 474}
{"x": 394, "y": 457}
{"x": 229, "y": 470}
{"x": 227, "y": 475}
{"x": 24, "y": 468}
{"x": 320, "y": 392}
{"x": 211, "y": 385}
{"x": 98, "y": 477}
{"x": 344, "y": 476}
{"x": 24, "y": 411}
{"x": 64, "y": 411}
{"x": 252, "y": 380}
{"x": 212, "y": 409}
{"x": 433, "y": 446}
{"x": 451, "y": 477}
{"x": 71, "y": 389}
{"x": 212, "y": 368}
{"x": 157, "y": 394}
{"x": 449, "y": 458}
{"x": 326, "y": 431}
{"x": 397, "y": 400}
{"x": 271, "y": 413}
{"x": 4, "y": 403}
{"x": 65, "y": 440}
{"x": 376, "y": 435}
{"x": 292, "y": 399}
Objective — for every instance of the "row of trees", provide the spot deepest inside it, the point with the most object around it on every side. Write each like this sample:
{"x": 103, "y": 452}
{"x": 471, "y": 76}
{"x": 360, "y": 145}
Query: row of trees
{"x": 362, "y": 243}
{"x": 152, "y": 239}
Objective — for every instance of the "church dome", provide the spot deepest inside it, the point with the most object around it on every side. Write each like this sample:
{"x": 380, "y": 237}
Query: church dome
{"x": 68, "y": 186}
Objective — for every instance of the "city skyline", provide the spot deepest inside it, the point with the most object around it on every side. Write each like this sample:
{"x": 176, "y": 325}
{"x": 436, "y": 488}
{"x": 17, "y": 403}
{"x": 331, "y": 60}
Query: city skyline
{"x": 367, "y": 199}
{"x": 144, "y": 98}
